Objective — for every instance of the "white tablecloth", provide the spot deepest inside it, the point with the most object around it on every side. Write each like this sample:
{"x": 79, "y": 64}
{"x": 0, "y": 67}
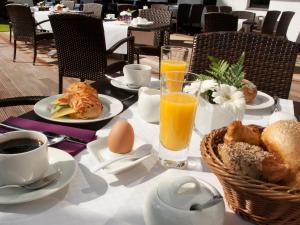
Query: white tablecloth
{"x": 104, "y": 199}
{"x": 114, "y": 31}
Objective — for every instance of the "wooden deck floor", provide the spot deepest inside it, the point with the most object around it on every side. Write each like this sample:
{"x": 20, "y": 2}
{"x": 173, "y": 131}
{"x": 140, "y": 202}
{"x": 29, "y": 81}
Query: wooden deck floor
{"x": 22, "y": 78}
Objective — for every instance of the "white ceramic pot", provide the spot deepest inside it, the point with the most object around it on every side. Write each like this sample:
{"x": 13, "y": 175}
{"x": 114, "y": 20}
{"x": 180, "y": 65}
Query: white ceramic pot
{"x": 148, "y": 104}
{"x": 170, "y": 203}
{"x": 137, "y": 74}
{"x": 212, "y": 116}
{"x": 26, "y": 167}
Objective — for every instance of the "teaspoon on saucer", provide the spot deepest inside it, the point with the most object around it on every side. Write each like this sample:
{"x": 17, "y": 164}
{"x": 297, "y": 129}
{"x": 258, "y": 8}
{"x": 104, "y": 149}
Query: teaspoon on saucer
{"x": 122, "y": 83}
{"x": 41, "y": 183}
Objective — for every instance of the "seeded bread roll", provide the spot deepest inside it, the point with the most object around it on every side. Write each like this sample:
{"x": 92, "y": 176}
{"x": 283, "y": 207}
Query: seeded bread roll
{"x": 253, "y": 161}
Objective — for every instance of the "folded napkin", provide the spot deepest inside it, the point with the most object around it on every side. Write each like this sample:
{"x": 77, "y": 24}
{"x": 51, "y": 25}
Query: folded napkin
{"x": 71, "y": 148}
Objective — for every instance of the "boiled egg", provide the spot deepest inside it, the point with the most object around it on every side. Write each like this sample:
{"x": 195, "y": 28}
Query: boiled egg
{"x": 121, "y": 137}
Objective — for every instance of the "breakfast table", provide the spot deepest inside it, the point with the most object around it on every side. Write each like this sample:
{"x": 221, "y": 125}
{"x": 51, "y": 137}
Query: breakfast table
{"x": 106, "y": 199}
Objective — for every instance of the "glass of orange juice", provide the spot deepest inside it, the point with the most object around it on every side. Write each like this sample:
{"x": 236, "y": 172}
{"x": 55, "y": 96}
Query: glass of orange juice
{"x": 177, "y": 113}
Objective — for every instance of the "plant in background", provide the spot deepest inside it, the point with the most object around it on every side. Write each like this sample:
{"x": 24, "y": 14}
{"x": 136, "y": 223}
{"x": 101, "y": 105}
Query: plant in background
{"x": 41, "y": 4}
{"x": 127, "y": 13}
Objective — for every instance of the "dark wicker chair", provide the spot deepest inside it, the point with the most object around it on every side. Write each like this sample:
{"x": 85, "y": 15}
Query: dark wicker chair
{"x": 183, "y": 16}
{"x": 225, "y": 9}
{"x": 22, "y": 100}
{"x": 81, "y": 48}
{"x": 269, "y": 61}
{"x": 284, "y": 23}
{"x": 125, "y": 7}
{"x": 270, "y": 22}
{"x": 69, "y": 4}
{"x": 24, "y": 27}
{"x": 160, "y": 6}
{"x": 195, "y": 18}
{"x": 158, "y": 16}
{"x": 215, "y": 22}
{"x": 249, "y": 16}
{"x": 211, "y": 8}
{"x": 94, "y": 8}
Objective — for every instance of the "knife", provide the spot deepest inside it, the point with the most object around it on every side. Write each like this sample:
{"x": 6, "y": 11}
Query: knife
{"x": 48, "y": 134}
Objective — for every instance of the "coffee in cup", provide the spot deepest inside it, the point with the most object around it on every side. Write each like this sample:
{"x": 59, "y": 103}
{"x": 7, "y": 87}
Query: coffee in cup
{"x": 23, "y": 156}
{"x": 137, "y": 74}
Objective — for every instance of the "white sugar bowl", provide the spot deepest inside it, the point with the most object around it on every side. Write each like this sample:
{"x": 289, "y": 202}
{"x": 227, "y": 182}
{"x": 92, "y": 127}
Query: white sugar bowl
{"x": 184, "y": 200}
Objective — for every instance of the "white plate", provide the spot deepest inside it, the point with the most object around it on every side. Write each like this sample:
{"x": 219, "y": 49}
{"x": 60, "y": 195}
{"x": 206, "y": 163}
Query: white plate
{"x": 261, "y": 101}
{"x": 154, "y": 83}
{"x": 145, "y": 24}
{"x": 100, "y": 151}
{"x": 111, "y": 108}
{"x": 58, "y": 159}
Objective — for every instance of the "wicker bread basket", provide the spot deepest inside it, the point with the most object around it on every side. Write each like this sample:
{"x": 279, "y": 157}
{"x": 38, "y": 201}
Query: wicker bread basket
{"x": 256, "y": 201}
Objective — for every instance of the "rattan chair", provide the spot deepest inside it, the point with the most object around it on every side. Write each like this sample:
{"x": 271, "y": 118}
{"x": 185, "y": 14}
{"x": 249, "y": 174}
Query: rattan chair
{"x": 23, "y": 2}
{"x": 225, "y": 9}
{"x": 269, "y": 61}
{"x": 94, "y": 8}
{"x": 24, "y": 27}
{"x": 250, "y": 19}
{"x": 215, "y": 22}
{"x": 158, "y": 16}
{"x": 270, "y": 22}
{"x": 68, "y": 4}
{"x": 160, "y": 6}
{"x": 183, "y": 16}
{"x": 211, "y": 8}
{"x": 195, "y": 18}
{"x": 22, "y": 100}
{"x": 125, "y": 7}
{"x": 81, "y": 49}
{"x": 284, "y": 23}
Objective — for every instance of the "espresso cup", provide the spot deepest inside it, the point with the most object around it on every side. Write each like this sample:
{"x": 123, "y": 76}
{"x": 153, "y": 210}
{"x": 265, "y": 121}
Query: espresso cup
{"x": 26, "y": 158}
{"x": 137, "y": 74}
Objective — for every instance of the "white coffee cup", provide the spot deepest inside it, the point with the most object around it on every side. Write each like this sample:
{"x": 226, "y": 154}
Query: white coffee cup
{"x": 110, "y": 16}
{"x": 25, "y": 167}
{"x": 148, "y": 104}
{"x": 137, "y": 74}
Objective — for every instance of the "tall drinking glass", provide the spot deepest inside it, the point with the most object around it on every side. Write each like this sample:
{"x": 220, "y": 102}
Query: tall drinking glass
{"x": 174, "y": 58}
{"x": 178, "y": 107}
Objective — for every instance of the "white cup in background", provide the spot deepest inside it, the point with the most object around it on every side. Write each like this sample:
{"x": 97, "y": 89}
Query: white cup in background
{"x": 25, "y": 167}
{"x": 137, "y": 74}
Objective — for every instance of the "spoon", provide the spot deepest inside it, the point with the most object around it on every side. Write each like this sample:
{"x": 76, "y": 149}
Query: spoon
{"x": 41, "y": 183}
{"x": 133, "y": 86}
{"x": 141, "y": 152}
{"x": 215, "y": 200}
{"x": 53, "y": 138}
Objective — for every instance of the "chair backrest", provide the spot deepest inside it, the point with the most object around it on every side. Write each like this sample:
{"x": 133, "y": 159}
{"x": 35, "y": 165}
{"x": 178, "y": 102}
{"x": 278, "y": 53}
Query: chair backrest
{"x": 80, "y": 44}
{"x": 215, "y": 22}
{"x": 86, "y": 1}
{"x": 211, "y": 8}
{"x": 196, "y": 13}
{"x": 269, "y": 62}
{"x": 22, "y": 21}
{"x": 284, "y": 23}
{"x": 183, "y": 14}
{"x": 125, "y": 7}
{"x": 23, "y": 2}
{"x": 225, "y": 9}
{"x": 159, "y": 16}
{"x": 94, "y": 8}
{"x": 160, "y": 6}
{"x": 68, "y": 4}
{"x": 270, "y": 22}
{"x": 250, "y": 16}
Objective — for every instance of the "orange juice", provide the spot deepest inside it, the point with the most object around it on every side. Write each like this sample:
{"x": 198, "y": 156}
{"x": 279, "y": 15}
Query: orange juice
{"x": 172, "y": 65}
{"x": 177, "y": 112}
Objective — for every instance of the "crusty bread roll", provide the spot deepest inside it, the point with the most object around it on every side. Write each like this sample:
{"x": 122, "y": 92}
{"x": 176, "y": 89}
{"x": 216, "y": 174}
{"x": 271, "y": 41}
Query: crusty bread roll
{"x": 253, "y": 161}
{"x": 282, "y": 138}
{"x": 79, "y": 87}
{"x": 249, "y": 90}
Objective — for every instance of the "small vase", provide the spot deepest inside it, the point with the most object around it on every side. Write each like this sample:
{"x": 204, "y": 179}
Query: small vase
{"x": 213, "y": 116}
{"x": 127, "y": 19}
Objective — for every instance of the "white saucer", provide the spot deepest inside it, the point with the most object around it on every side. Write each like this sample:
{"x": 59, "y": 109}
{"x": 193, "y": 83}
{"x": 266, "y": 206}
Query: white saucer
{"x": 58, "y": 159}
{"x": 154, "y": 83}
{"x": 261, "y": 101}
{"x": 100, "y": 151}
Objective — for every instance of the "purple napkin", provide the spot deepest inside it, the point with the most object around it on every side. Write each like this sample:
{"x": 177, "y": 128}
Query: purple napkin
{"x": 71, "y": 148}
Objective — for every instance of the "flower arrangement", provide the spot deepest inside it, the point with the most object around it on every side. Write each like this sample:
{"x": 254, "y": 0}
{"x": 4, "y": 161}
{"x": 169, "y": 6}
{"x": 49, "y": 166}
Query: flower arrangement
{"x": 41, "y": 3}
{"x": 128, "y": 12}
{"x": 222, "y": 84}
{"x": 59, "y": 7}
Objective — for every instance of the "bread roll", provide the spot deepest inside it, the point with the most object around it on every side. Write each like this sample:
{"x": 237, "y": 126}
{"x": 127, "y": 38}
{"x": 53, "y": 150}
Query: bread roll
{"x": 253, "y": 161}
{"x": 282, "y": 138}
{"x": 81, "y": 87}
{"x": 249, "y": 90}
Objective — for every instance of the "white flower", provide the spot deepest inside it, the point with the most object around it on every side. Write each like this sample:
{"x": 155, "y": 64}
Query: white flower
{"x": 193, "y": 88}
{"x": 125, "y": 13}
{"x": 229, "y": 97}
{"x": 207, "y": 85}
